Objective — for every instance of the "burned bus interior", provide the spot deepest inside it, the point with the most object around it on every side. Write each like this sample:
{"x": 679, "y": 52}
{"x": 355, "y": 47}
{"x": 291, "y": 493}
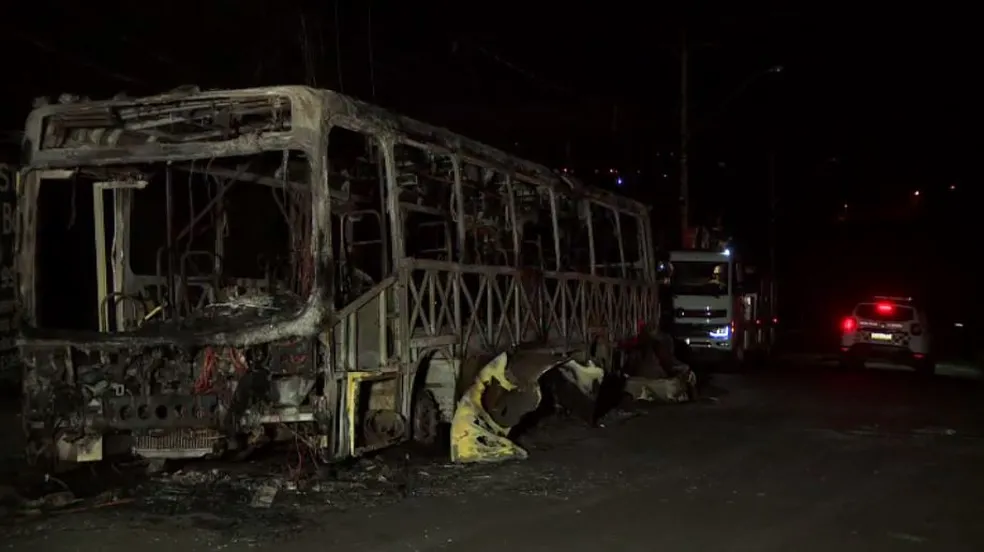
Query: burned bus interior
{"x": 153, "y": 239}
{"x": 196, "y": 236}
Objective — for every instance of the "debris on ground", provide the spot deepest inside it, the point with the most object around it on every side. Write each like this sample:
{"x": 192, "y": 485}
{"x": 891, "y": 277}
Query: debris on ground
{"x": 275, "y": 493}
{"x": 156, "y": 465}
{"x": 263, "y": 497}
{"x": 51, "y": 501}
{"x": 10, "y": 500}
{"x": 507, "y": 389}
{"x": 65, "y": 502}
{"x": 654, "y": 373}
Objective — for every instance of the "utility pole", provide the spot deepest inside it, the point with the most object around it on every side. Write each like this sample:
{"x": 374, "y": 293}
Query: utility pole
{"x": 687, "y": 132}
{"x": 772, "y": 232}
{"x": 684, "y": 139}
{"x": 372, "y": 60}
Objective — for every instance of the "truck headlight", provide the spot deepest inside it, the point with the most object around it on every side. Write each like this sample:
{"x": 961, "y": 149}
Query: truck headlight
{"x": 721, "y": 333}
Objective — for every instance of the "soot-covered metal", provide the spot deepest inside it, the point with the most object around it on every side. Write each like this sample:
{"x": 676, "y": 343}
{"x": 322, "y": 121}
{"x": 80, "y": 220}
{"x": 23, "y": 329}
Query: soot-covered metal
{"x": 188, "y": 322}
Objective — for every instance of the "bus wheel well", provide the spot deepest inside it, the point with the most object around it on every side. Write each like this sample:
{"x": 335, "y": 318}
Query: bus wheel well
{"x": 433, "y": 399}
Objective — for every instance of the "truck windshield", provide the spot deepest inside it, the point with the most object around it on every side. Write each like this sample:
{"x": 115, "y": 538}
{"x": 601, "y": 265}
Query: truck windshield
{"x": 699, "y": 278}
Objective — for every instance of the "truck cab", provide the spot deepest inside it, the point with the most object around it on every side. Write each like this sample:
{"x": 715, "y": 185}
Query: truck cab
{"x": 702, "y": 300}
{"x": 712, "y": 312}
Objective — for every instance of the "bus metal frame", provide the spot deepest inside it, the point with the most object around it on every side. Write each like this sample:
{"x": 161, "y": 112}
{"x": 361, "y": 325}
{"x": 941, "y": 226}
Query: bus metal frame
{"x": 427, "y": 319}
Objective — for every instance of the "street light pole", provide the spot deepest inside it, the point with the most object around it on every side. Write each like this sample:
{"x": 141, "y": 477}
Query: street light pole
{"x": 772, "y": 233}
{"x": 686, "y": 133}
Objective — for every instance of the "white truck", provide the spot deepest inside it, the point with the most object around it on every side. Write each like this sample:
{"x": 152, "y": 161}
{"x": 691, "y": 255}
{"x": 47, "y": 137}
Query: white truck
{"x": 716, "y": 313}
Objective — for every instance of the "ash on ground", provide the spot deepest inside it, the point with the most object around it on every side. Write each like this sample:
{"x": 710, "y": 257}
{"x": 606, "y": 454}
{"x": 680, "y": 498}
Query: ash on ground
{"x": 273, "y": 496}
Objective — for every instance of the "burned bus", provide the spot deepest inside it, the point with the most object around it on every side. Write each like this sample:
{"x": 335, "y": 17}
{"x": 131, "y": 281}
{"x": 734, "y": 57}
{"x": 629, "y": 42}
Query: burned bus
{"x": 204, "y": 272}
{"x": 9, "y": 159}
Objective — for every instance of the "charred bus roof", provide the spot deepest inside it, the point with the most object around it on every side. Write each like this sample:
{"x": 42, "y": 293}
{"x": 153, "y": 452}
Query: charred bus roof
{"x": 189, "y": 116}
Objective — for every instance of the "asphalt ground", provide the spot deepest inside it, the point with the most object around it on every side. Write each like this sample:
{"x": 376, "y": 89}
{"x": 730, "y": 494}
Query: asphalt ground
{"x": 801, "y": 456}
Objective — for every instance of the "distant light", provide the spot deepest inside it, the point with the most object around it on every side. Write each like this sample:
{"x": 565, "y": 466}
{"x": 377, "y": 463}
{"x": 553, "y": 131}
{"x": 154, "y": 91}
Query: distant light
{"x": 845, "y": 205}
{"x": 618, "y": 181}
{"x": 776, "y": 69}
{"x": 727, "y": 252}
{"x": 916, "y": 193}
{"x": 665, "y": 175}
{"x": 953, "y": 186}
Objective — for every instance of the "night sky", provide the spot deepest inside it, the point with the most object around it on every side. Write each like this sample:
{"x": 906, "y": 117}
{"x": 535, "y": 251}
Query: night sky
{"x": 872, "y": 103}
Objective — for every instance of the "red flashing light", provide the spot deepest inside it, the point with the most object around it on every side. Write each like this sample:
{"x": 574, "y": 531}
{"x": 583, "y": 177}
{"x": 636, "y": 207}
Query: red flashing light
{"x": 885, "y": 308}
{"x": 849, "y": 324}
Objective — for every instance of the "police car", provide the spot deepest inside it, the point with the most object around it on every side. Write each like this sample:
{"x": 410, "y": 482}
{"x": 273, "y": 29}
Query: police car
{"x": 887, "y": 329}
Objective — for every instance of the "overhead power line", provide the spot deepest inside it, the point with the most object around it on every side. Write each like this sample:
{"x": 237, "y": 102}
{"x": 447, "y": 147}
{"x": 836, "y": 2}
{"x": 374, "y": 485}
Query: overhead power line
{"x": 77, "y": 59}
{"x": 528, "y": 74}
